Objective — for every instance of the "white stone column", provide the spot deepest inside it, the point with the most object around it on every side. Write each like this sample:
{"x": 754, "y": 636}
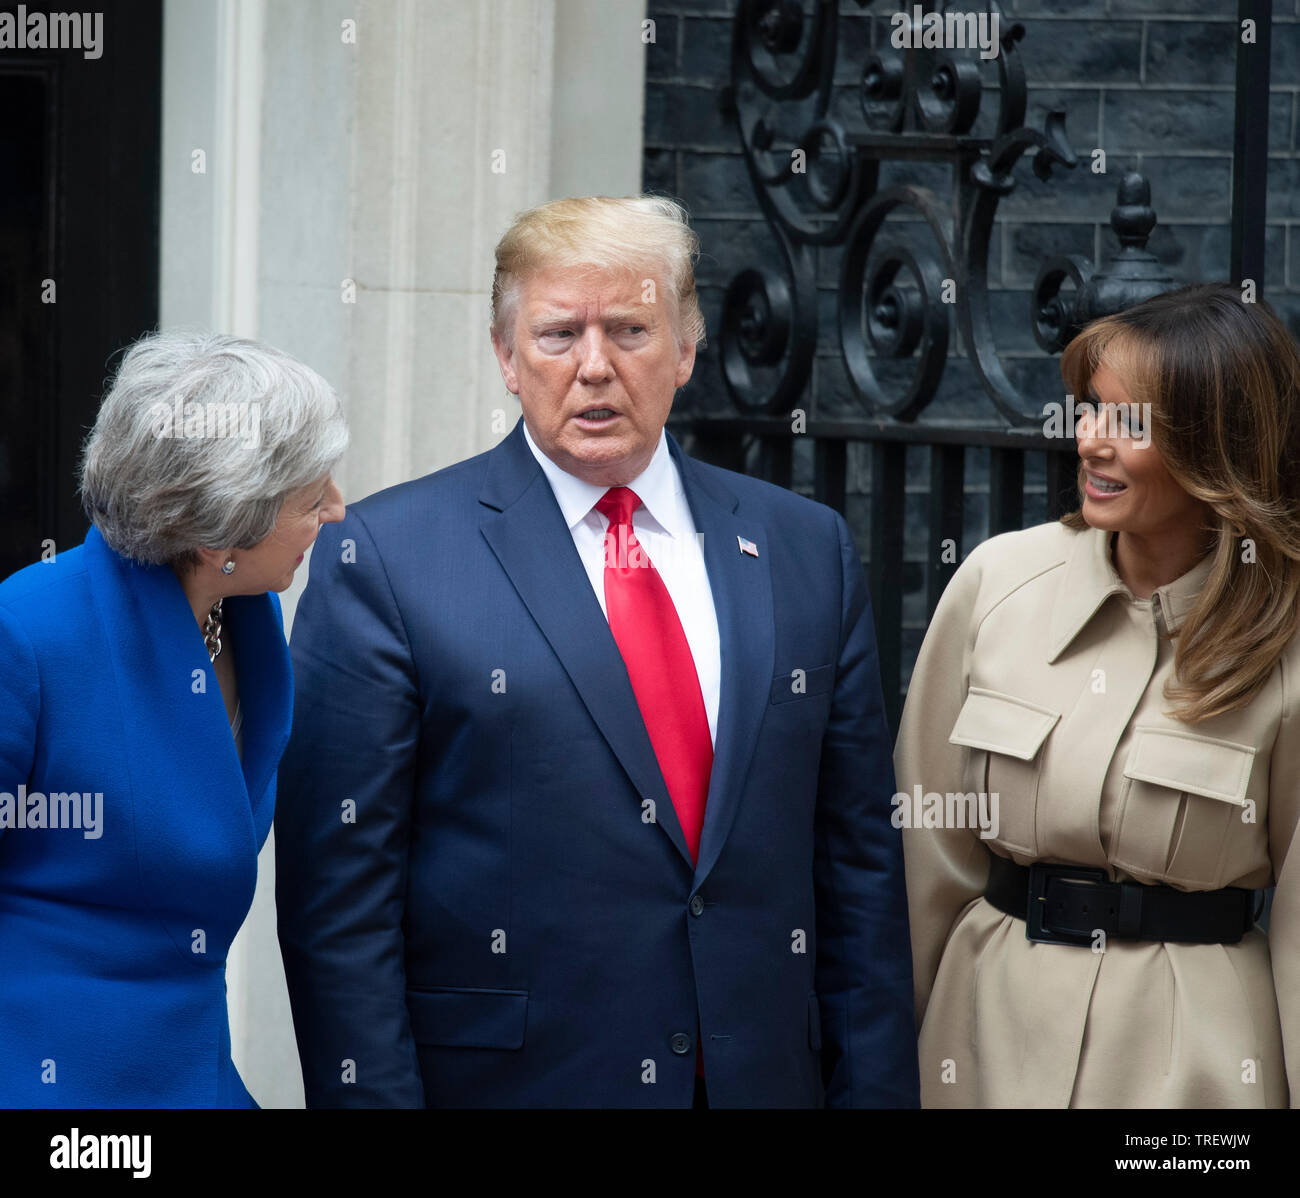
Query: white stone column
{"x": 212, "y": 109}
{"x": 373, "y": 153}
{"x": 455, "y": 137}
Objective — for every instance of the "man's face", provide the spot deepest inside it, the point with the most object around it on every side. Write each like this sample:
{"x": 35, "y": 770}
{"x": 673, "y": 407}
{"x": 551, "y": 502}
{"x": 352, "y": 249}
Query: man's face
{"x": 595, "y": 367}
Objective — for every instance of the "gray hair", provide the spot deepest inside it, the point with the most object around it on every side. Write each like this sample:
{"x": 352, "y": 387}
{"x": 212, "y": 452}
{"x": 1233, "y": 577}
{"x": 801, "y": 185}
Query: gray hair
{"x": 198, "y": 442}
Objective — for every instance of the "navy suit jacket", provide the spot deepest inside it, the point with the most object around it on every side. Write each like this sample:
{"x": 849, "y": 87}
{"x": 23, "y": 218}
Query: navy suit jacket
{"x": 485, "y": 898}
{"x": 113, "y": 946}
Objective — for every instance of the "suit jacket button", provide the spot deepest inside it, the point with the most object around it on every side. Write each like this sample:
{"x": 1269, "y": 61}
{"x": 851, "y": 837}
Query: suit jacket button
{"x": 681, "y": 1043}
{"x": 697, "y": 905}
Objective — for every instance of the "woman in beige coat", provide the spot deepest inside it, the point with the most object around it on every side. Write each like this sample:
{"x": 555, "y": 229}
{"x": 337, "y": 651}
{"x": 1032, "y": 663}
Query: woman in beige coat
{"x": 1127, "y": 683}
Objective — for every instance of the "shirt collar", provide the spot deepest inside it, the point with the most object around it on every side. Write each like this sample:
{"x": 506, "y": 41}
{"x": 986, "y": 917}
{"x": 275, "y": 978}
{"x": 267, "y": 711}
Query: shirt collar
{"x": 1090, "y": 578}
{"x": 658, "y": 486}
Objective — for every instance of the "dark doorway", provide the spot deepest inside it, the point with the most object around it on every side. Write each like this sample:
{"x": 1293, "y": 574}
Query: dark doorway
{"x": 79, "y": 199}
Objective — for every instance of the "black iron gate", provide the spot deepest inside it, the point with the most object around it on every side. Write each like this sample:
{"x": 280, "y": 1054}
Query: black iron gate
{"x": 817, "y": 178}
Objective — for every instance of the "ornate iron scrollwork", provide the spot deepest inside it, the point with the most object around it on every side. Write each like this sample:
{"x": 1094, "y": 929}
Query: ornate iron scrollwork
{"x": 894, "y": 319}
{"x": 819, "y": 185}
{"x": 1130, "y": 276}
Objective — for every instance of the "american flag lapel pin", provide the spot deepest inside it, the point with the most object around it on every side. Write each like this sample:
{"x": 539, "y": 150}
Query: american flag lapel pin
{"x": 747, "y": 546}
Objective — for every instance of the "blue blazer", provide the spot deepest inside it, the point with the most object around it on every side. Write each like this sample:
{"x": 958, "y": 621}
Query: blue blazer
{"x": 113, "y": 947}
{"x": 484, "y": 895}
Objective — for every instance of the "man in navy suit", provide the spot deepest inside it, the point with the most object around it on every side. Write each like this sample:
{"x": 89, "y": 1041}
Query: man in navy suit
{"x": 588, "y": 796}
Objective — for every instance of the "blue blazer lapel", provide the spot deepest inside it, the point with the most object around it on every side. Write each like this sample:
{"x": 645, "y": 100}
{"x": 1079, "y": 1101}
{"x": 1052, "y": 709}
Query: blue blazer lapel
{"x": 742, "y": 598}
{"x": 265, "y": 674}
{"x": 526, "y": 530}
{"x": 158, "y": 655}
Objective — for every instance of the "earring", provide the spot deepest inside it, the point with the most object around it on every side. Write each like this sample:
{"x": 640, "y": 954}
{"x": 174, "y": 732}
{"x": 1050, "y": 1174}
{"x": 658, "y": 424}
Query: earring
{"x": 228, "y": 568}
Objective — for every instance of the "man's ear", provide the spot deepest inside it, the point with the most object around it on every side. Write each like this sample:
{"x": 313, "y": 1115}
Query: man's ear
{"x": 685, "y": 364}
{"x": 506, "y": 361}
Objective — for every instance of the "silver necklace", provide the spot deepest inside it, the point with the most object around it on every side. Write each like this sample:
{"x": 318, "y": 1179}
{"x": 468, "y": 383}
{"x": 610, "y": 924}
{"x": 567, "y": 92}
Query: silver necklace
{"x": 212, "y": 632}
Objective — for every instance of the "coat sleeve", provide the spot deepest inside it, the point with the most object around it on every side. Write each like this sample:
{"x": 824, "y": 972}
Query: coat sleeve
{"x": 342, "y": 829}
{"x": 947, "y": 869}
{"x": 863, "y": 969}
{"x": 1284, "y": 849}
{"x": 20, "y": 704}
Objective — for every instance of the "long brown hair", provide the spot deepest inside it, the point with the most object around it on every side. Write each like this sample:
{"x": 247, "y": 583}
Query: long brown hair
{"x": 1222, "y": 377}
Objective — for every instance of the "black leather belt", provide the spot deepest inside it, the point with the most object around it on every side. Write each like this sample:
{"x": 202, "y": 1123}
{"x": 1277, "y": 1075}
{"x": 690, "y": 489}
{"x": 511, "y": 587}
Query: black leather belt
{"x": 1069, "y": 904}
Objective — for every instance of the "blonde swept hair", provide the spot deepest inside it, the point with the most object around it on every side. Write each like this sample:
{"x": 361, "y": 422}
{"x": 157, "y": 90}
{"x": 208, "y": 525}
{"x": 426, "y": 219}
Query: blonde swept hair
{"x": 1222, "y": 377}
{"x": 650, "y": 234}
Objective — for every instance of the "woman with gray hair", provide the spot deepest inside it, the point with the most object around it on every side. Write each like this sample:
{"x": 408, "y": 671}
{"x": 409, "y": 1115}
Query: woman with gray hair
{"x": 145, "y": 700}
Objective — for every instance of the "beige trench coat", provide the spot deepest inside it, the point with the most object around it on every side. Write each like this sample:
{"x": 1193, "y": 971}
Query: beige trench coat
{"x": 1041, "y": 679}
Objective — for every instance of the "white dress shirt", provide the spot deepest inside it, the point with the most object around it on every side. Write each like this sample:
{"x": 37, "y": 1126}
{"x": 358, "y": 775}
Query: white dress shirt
{"x": 666, "y": 529}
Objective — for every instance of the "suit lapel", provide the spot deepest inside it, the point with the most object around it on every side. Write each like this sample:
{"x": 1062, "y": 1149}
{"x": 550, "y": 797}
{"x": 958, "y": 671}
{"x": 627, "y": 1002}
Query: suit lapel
{"x": 526, "y": 531}
{"x": 158, "y": 654}
{"x": 742, "y": 598}
{"x": 265, "y": 675}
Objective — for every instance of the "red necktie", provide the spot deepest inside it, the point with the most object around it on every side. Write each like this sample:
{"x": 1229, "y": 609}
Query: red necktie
{"x": 649, "y": 635}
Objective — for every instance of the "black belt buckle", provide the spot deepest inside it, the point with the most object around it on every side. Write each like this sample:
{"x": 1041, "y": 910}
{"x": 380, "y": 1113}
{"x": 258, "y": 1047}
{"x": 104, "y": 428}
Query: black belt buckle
{"x": 1040, "y": 875}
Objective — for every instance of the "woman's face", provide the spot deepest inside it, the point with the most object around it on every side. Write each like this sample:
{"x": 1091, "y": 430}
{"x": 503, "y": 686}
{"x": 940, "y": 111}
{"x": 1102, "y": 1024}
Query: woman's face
{"x": 270, "y": 564}
{"x": 1125, "y": 485}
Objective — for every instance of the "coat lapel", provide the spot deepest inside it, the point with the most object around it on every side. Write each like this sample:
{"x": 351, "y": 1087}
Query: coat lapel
{"x": 526, "y": 530}
{"x": 158, "y": 655}
{"x": 742, "y": 598}
{"x": 265, "y": 674}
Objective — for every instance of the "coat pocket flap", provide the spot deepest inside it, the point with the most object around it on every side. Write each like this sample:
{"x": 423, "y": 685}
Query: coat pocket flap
{"x": 1002, "y": 724}
{"x": 1200, "y": 765}
{"x": 458, "y": 1018}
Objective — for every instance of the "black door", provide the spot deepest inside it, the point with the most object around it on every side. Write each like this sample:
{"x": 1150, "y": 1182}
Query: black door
{"x": 79, "y": 195}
